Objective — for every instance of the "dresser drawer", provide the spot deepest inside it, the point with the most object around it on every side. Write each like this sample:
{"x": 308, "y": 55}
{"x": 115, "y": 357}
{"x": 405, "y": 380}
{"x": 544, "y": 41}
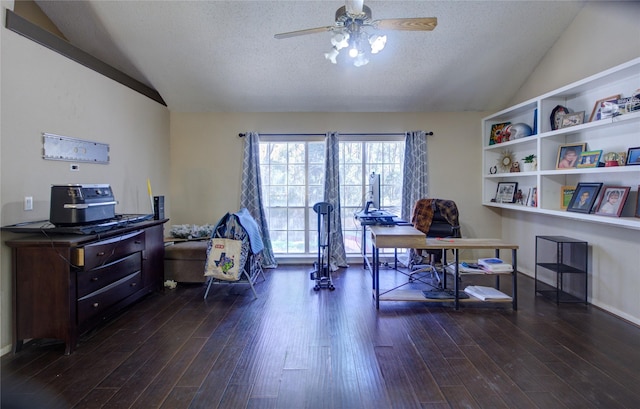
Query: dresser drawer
{"x": 97, "y": 302}
{"x": 99, "y": 277}
{"x": 106, "y": 251}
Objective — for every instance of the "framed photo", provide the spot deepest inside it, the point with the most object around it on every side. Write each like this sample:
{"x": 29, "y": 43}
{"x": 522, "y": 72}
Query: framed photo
{"x": 584, "y": 197}
{"x": 590, "y": 159}
{"x": 601, "y": 107}
{"x": 566, "y": 193}
{"x": 572, "y": 119}
{"x": 506, "y": 192}
{"x": 556, "y": 114}
{"x": 569, "y": 155}
{"x": 612, "y": 200}
{"x": 496, "y": 133}
{"x": 633, "y": 156}
{"x": 532, "y": 197}
{"x": 637, "y": 212}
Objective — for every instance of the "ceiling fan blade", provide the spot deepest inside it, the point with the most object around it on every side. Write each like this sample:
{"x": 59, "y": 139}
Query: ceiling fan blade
{"x": 354, "y": 7}
{"x": 406, "y": 24}
{"x": 304, "y": 32}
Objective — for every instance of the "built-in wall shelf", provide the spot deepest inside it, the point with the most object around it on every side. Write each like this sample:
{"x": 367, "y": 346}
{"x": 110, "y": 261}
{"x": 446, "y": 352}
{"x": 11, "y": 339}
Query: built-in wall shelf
{"x": 612, "y": 134}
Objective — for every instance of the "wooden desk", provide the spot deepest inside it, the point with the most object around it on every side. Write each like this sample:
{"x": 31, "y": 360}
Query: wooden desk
{"x": 410, "y": 237}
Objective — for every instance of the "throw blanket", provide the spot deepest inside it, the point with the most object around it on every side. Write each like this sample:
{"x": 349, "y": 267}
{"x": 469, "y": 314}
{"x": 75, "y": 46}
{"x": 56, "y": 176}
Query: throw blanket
{"x": 250, "y": 225}
{"x": 424, "y": 210}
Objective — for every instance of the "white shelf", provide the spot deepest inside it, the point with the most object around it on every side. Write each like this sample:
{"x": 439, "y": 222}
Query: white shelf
{"x": 616, "y": 134}
{"x": 626, "y": 222}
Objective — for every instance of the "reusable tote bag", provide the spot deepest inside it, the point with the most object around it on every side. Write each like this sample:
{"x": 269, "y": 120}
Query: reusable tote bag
{"x": 224, "y": 259}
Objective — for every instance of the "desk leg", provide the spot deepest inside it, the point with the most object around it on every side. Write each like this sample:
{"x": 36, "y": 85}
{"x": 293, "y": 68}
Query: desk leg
{"x": 364, "y": 246}
{"x": 456, "y": 276}
{"x": 371, "y": 267}
{"x": 497, "y": 255}
{"x": 444, "y": 269}
{"x": 376, "y": 275}
{"x": 514, "y": 278}
{"x": 395, "y": 259}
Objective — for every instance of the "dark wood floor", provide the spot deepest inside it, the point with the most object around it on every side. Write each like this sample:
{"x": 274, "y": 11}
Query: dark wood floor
{"x": 296, "y": 348}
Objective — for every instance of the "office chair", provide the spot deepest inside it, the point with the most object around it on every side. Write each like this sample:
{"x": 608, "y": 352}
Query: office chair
{"x": 436, "y": 218}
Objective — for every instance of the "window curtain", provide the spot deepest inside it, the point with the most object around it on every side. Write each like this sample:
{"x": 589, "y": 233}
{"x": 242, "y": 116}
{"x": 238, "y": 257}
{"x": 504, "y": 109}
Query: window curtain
{"x": 337, "y": 255}
{"x": 251, "y": 196}
{"x": 414, "y": 180}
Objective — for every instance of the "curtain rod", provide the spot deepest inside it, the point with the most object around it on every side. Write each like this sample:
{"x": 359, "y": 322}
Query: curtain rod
{"x": 241, "y": 135}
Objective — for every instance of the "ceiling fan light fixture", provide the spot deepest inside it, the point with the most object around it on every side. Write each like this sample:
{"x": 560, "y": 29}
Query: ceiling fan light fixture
{"x": 350, "y": 30}
{"x": 332, "y": 55}
{"x": 360, "y": 60}
{"x": 377, "y": 43}
{"x": 340, "y": 40}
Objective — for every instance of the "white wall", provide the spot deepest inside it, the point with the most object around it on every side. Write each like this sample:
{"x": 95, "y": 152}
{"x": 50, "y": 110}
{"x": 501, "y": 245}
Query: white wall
{"x": 603, "y": 35}
{"x": 43, "y": 91}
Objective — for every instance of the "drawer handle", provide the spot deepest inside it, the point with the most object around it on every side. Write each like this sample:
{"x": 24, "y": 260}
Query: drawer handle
{"x": 94, "y": 278}
{"x": 100, "y": 254}
{"x": 138, "y": 242}
{"x": 95, "y": 305}
{"x": 134, "y": 284}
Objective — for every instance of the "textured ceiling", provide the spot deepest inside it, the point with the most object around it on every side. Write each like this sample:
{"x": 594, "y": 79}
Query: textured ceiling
{"x": 221, "y": 56}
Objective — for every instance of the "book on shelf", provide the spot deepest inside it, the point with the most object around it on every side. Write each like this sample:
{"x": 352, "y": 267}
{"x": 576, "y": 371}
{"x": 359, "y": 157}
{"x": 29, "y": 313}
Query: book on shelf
{"x": 466, "y": 268}
{"x": 486, "y": 293}
{"x": 494, "y": 265}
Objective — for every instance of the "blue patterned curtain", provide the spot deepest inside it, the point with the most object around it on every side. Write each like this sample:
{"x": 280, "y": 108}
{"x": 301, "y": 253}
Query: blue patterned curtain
{"x": 414, "y": 181}
{"x": 337, "y": 256}
{"x": 251, "y": 196}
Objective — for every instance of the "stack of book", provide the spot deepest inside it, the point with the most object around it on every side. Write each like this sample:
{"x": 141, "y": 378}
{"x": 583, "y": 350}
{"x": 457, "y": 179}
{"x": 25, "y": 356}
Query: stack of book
{"x": 494, "y": 265}
{"x": 486, "y": 293}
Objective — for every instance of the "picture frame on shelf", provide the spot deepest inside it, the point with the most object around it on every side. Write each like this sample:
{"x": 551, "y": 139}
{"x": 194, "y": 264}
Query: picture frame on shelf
{"x": 556, "y": 114}
{"x": 637, "y": 212}
{"x": 622, "y": 160}
{"x": 584, "y": 197}
{"x": 532, "y": 199}
{"x": 506, "y": 192}
{"x": 496, "y": 133}
{"x": 627, "y": 105}
{"x": 612, "y": 200}
{"x": 566, "y": 193}
{"x": 571, "y": 119}
{"x": 633, "y": 156}
{"x": 569, "y": 155}
{"x": 604, "y": 104}
{"x": 590, "y": 159}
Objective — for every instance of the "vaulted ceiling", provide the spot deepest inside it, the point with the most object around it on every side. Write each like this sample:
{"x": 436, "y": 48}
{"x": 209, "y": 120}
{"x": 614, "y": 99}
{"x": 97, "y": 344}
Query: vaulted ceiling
{"x": 221, "y": 56}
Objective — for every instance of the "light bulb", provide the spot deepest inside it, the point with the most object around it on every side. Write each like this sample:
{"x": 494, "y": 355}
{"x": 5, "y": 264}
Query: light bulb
{"x": 353, "y": 52}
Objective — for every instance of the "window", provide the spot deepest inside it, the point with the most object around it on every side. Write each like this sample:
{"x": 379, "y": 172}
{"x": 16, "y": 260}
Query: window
{"x": 293, "y": 181}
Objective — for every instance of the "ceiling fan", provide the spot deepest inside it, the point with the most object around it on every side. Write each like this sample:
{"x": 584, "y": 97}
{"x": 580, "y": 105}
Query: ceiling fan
{"x": 350, "y": 30}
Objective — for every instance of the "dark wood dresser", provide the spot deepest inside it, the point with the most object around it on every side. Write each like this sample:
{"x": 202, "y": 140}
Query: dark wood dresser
{"x": 64, "y": 285}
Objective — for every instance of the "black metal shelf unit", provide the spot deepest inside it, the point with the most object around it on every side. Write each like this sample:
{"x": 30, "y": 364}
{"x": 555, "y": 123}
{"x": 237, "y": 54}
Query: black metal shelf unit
{"x": 567, "y": 259}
